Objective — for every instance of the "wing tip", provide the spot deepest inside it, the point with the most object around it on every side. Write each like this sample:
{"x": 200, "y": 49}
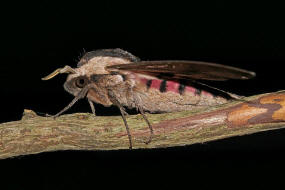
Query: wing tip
{"x": 248, "y": 75}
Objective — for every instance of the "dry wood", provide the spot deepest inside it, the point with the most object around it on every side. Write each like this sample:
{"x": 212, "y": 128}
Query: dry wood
{"x": 82, "y": 131}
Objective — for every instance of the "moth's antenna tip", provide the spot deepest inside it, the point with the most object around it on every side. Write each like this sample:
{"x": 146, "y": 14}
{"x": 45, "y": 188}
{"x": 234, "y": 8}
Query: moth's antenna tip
{"x": 66, "y": 69}
{"x": 253, "y": 74}
{"x": 44, "y": 78}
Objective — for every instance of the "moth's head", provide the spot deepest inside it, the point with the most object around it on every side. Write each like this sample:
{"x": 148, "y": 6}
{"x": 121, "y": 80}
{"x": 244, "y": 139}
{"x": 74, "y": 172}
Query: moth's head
{"x": 75, "y": 81}
{"x": 92, "y": 63}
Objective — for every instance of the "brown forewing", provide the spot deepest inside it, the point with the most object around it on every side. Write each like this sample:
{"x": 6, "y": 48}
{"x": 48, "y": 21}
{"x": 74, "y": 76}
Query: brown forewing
{"x": 193, "y": 70}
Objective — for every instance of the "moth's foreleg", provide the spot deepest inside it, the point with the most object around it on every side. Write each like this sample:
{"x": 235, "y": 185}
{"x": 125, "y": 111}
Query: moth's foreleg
{"x": 92, "y": 107}
{"x": 80, "y": 95}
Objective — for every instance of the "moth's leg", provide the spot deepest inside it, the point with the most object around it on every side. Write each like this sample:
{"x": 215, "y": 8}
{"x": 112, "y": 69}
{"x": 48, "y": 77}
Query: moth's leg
{"x": 80, "y": 95}
{"x": 92, "y": 107}
{"x": 148, "y": 123}
{"x": 123, "y": 113}
{"x": 136, "y": 98}
{"x": 127, "y": 126}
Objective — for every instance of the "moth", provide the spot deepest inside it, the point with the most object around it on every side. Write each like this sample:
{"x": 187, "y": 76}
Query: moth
{"x": 116, "y": 77}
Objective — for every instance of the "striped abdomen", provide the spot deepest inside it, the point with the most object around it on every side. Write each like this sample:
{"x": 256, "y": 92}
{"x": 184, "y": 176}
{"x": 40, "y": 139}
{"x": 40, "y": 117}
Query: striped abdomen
{"x": 171, "y": 86}
{"x": 169, "y": 96}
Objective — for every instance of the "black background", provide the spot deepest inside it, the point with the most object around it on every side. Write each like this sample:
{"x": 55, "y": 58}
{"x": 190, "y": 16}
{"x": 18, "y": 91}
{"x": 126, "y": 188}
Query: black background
{"x": 37, "y": 38}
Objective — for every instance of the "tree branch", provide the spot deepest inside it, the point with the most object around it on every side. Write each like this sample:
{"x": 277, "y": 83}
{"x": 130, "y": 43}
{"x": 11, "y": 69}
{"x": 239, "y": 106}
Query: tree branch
{"x": 82, "y": 131}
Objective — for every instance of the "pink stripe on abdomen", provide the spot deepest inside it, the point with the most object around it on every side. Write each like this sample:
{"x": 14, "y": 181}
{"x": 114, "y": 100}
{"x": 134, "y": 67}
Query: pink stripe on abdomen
{"x": 172, "y": 86}
{"x": 190, "y": 89}
{"x": 155, "y": 84}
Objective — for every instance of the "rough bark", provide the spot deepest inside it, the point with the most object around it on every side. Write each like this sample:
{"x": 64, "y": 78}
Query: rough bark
{"x": 82, "y": 131}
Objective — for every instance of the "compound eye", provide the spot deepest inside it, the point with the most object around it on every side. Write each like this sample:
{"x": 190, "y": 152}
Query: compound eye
{"x": 80, "y": 82}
